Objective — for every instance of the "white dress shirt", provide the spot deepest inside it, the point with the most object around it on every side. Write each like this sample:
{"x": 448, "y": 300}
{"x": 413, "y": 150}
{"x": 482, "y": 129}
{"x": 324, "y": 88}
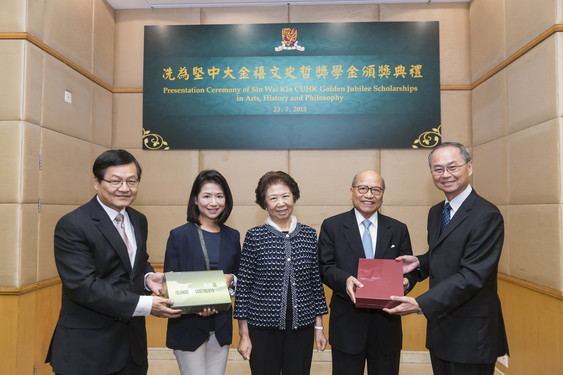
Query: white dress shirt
{"x": 457, "y": 201}
{"x": 372, "y": 227}
{"x": 144, "y": 305}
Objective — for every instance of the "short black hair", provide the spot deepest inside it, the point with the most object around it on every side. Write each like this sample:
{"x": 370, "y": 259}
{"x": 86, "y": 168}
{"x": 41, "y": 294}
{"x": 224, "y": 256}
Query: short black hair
{"x": 271, "y": 178}
{"x": 204, "y": 177}
{"x": 112, "y": 158}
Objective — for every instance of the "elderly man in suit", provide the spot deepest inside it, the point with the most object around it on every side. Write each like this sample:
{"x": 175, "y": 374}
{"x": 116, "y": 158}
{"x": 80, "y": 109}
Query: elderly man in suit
{"x": 465, "y": 330}
{"x": 102, "y": 260}
{"x": 357, "y": 335}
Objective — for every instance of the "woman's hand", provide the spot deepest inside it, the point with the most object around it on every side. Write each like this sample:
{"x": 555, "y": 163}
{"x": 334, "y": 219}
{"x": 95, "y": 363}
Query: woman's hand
{"x": 229, "y": 278}
{"x": 245, "y": 347}
{"x": 208, "y": 312}
{"x": 320, "y": 340}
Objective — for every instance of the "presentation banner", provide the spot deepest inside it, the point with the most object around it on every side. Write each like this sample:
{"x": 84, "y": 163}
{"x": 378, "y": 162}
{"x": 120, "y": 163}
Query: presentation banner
{"x": 292, "y": 86}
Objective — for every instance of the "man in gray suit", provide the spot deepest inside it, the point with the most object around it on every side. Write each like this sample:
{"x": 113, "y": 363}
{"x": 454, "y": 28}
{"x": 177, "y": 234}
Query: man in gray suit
{"x": 465, "y": 330}
{"x": 101, "y": 256}
{"x": 358, "y": 335}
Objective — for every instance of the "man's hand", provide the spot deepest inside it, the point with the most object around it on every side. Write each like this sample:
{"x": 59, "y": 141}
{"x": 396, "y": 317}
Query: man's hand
{"x": 155, "y": 282}
{"x": 410, "y": 263}
{"x": 159, "y": 308}
{"x": 408, "y": 306}
{"x": 406, "y": 283}
{"x": 351, "y": 284}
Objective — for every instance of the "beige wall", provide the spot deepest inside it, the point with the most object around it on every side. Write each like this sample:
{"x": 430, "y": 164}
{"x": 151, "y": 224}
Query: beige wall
{"x": 324, "y": 175}
{"x": 511, "y": 120}
{"x": 517, "y": 131}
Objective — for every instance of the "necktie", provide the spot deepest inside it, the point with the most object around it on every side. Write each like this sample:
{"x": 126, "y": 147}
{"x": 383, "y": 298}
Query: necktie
{"x": 121, "y": 229}
{"x": 445, "y": 216}
{"x": 366, "y": 240}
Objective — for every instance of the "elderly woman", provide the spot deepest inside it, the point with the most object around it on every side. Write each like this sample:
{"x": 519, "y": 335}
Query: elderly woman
{"x": 280, "y": 299}
{"x": 201, "y": 342}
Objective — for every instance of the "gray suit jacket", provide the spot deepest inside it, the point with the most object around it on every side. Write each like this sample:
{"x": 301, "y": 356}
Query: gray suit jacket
{"x": 96, "y": 331}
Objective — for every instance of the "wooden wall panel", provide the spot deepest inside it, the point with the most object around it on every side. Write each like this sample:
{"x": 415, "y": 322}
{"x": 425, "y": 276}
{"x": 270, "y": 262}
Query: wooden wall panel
{"x": 414, "y": 325}
{"x": 532, "y": 316}
{"x": 48, "y": 307}
{"x": 535, "y": 330}
{"x": 26, "y": 327}
{"x": 8, "y": 327}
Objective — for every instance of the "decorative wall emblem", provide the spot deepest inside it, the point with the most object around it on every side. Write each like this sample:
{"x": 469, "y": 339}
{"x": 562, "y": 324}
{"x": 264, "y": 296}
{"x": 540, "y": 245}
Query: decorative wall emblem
{"x": 289, "y": 40}
{"x": 429, "y": 139}
{"x": 154, "y": 141}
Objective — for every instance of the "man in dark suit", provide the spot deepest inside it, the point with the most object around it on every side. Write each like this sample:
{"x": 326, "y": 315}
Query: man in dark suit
{"x": 465, "y": 330}
{"x": 102, "y": 260}
{"x": 357, "y": 335}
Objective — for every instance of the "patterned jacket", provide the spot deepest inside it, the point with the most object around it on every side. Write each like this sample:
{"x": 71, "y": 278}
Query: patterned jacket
{"x": 270, "y": 261}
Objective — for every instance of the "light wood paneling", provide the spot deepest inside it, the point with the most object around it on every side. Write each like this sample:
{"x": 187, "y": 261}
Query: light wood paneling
{"x": 8, "y": 326}
{"x": 48, "y": 307}
{"x": 414, "y": 325}
{"x": 17, "y": 324}
{"x": 532, "y": 315}
{"x": 533, "y": 319}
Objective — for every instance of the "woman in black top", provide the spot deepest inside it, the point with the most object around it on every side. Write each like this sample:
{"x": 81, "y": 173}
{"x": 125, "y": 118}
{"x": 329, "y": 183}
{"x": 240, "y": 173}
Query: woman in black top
{"x": 201, "y": 341}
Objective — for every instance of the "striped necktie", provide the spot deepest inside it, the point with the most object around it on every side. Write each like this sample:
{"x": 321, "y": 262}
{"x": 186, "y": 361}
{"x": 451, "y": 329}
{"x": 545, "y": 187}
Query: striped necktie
{"x": 445, "y": 216}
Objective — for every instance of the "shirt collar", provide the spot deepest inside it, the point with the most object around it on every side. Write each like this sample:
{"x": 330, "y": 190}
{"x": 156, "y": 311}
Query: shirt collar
{"x": 110, "y": 211}
{"x": 360, "y": 218}
{"x": 292, "y": 226}
{"x": 459, "y": 199}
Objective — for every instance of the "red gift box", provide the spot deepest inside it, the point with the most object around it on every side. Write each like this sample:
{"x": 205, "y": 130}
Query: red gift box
{"x": 382, "y": 278}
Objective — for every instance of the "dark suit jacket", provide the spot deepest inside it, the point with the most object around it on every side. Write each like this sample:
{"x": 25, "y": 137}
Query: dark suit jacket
{"x": 96, "y": 331}
{"x": 184, "y": 253}
{"x": 340, "y": 248}
{"x": 465, "y": 323}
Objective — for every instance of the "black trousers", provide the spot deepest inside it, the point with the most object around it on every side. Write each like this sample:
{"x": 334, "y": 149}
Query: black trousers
{"x": 354, "y": 364}
{"x": 132, "y": 368}
{"x": 277, "y": 351}
{"x": 380, "y": 360}
{"x": 441, "y": 367}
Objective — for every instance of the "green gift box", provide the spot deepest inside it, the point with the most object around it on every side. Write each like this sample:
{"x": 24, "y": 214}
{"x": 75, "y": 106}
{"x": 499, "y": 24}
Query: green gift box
{"x": 196, "y": 290}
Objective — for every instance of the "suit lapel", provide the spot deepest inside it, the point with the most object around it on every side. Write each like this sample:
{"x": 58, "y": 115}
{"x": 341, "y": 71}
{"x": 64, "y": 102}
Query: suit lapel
{"x": 461, "y": 214}
{"x": 383, "y": 236}
{"x": 434, "y": 223}
{"x": 138, "y": 239}
{"x": 109, "y": 231}
{"x": 352, "y": 235}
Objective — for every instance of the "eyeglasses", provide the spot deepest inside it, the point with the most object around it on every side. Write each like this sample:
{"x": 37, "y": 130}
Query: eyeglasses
{"x": 450, "y": 168}
{"x": 362, "y": 189}
{"x": 119, "y": 183}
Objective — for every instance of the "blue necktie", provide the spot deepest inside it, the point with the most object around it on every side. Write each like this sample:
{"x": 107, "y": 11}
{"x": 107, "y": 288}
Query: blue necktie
{"x": 445, "y": 216}
{"x": 366, "y": 240}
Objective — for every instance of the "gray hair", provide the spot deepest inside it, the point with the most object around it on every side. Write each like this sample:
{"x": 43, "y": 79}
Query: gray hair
{"x": 462, "y": 150}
